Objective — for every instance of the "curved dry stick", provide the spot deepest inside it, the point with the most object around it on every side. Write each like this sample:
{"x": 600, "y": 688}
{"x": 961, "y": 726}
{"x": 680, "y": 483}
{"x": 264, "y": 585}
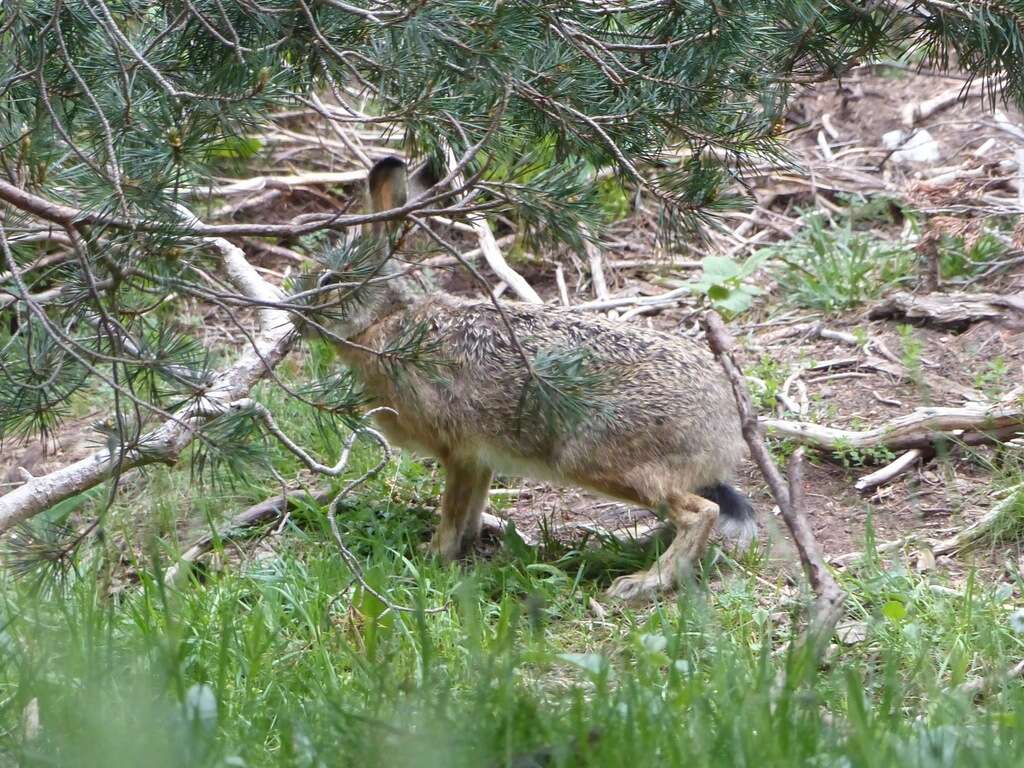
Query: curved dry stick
{"x": 263, "y": 512}
{"x": 828, "y": 607}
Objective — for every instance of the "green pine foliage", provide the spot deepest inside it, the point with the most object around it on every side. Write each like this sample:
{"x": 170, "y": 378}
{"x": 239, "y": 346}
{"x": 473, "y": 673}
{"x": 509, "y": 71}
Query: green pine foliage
{"x": 117, "y": 109}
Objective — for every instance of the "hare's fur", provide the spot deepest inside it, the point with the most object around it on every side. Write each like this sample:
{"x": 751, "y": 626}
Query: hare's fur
{"x": 662, "y": 425}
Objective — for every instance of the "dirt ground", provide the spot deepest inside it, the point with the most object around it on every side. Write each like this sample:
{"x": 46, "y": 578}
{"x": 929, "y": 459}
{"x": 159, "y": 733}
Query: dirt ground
{"x": 932, "y": 500}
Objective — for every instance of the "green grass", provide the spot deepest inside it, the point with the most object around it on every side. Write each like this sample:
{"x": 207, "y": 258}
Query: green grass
{"x": 271, "y": 654}
{"x": 283, "y": 660}
{"x": 833, "y": 266}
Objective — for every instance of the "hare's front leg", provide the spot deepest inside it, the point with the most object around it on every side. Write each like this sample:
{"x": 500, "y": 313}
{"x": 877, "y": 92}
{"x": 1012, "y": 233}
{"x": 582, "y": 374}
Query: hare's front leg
{"x": 465, "y": 496}
{"x": 694, "y": 517}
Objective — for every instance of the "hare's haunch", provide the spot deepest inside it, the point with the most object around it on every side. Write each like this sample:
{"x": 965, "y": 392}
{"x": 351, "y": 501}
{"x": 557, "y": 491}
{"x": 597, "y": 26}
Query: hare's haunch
{"x": 656, "y": 426}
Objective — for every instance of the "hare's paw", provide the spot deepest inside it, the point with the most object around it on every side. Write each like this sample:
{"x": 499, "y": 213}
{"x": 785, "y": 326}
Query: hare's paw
{"x": 640, "y": 585}
{"x": 444, "y": 544}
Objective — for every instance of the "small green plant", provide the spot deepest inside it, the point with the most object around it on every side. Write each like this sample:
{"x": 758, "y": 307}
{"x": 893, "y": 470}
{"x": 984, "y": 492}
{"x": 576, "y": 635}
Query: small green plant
{"x": 991, "y": 381}
{"x": 767, "y": 378}
{"x": 911, "y": 347}
{"x": 781, "y": 450}
{"x": 877, "y": 209}
{"x": 958, "y": 259}
{"x": 833, "y": 267}
{"x": 724, "y": 282}
{"x": 851, "y": 457}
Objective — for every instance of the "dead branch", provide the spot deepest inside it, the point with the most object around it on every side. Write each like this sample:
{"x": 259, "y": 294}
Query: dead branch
{"x": 891, "y": 470}
{"x": 283, "y": 183}
{"x": 828, "y": 605}
{"x": 978, "y": 686}
{"x": 970, "y": 424}
{"x": 915, "y": 112}
{"x": 667, "y": 299}
{"x": 953, "y": 310}
{"x": 986, "y": 527}
{"x": 266, "y": 511}
{"x": 492, "y": 253}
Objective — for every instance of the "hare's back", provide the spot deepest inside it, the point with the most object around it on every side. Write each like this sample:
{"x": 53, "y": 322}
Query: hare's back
{"x": 636, "y": 374}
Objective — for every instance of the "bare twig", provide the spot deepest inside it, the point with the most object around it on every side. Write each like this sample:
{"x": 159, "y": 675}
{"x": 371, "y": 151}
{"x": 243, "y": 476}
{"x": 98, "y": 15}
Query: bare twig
{"x": 829, "y": 597}
{"x": 563, "y": 291}
{"x": 891, "y": 470}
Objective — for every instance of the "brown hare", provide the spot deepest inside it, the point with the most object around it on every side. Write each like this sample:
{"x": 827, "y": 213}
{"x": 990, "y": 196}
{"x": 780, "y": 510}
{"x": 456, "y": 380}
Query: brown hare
{"x": 663, "y": 432}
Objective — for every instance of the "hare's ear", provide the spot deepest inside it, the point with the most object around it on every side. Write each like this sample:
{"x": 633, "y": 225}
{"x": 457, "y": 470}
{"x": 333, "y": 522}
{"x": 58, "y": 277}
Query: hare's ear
{"x": 387, "y": 184}
{"x": 423, "y": 179}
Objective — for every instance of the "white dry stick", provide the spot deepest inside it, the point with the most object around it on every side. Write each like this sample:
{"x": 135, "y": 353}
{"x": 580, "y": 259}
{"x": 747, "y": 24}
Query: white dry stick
{"x": 667, "y": 299}
{"x": 921, "y": 110}
{"x": 563, "y": 291}
{"x": 830, "y": 129}
{"x": 1004, "y": 124}
{"x": 596, "y": 262}
{"x": 496, "y": 261}
{"x": 890, "y": 470}
{"x": 985, "y": 148}
{"x": 914, "y": 430}
{"x": 165, "y": 443}
{"x": 490, "y": 249}
{"x": 826, "y": 150}
{"x": 803, "y": 405}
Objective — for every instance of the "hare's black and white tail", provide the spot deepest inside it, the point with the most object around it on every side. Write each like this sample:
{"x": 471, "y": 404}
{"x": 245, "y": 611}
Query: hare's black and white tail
{"x": 736, "y": 521}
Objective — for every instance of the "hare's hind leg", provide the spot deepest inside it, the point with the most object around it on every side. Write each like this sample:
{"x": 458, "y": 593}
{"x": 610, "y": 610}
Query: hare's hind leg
{"x": 694, "y": 518}
{"x": 465, "y": 496}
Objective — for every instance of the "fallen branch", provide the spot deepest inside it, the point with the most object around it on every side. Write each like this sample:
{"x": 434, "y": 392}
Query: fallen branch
{"x": 954, "y": 310}
{"x": 970, "y": 424}
{"x": 986, "y": 527}
{"x": 915, "y": 112}
{"x": 978, "y": 686}
{"x": 496, "y": 261}
{"x": 828, "y": 606}
{"x": 891, "y": 470}
{"x": 284, "y": 183}
{"x": 492, "y": 253}
{"x": 667, "y": 299}
{"x": 266, "y": 511}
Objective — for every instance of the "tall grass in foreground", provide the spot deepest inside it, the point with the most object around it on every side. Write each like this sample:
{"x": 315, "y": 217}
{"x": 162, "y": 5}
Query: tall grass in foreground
{"x": 284, "y": 661}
